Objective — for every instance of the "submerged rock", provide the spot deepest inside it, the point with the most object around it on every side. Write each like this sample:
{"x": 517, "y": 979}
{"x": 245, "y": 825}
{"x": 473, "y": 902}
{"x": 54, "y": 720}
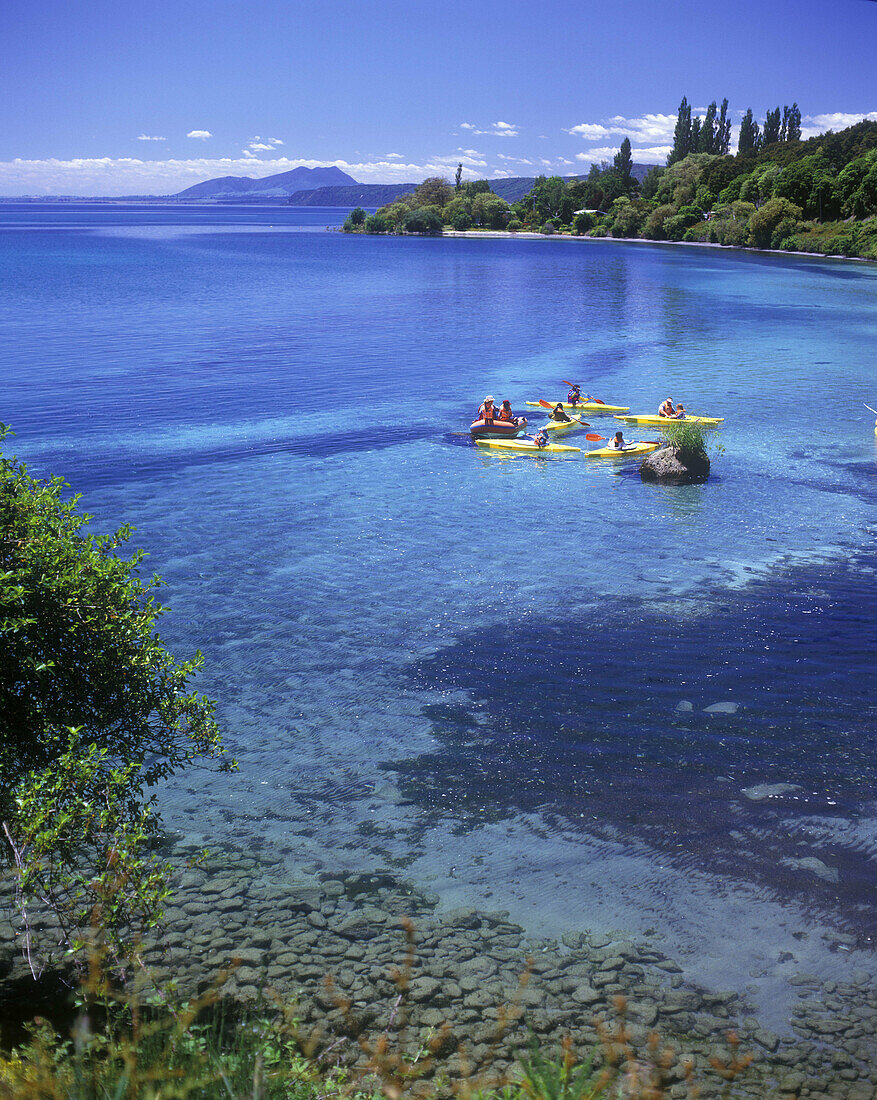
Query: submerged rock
{"x": 671, "y": 466}
{"x": 814, "y": 866}
{"x": 762, "y": 791}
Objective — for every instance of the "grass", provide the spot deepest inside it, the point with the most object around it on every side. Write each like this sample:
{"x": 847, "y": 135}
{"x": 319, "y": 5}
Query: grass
{"x": 688, "y": 439}
{"x": 139, "y": 1044}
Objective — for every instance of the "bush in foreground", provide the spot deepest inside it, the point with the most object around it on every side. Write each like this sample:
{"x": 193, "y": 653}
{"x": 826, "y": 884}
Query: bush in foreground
{"x": 93, "y": 711}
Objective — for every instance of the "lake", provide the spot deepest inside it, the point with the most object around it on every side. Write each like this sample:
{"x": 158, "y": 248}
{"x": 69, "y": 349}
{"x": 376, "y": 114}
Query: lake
{"x": 494, "y": 676}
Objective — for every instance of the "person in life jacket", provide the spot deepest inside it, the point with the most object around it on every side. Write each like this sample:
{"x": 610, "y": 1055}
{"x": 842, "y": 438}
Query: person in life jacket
{"x": 618, "y": 443}
{"x": 505, "y": 413}
{"x": 574, "y": 396}
{"x": 667, "y": 409}
{"x": 541, "y": 438}
{"x": 487, "y": 410}
{"x": 557, "y": 413}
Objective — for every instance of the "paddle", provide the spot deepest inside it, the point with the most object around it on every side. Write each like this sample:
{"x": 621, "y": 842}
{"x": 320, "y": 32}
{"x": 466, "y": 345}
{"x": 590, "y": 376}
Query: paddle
{"x": 547, "y": 405}
{"x": 589, "y": 397}
{"x": 868, "y": 407}
{"x": 594, "y": 438}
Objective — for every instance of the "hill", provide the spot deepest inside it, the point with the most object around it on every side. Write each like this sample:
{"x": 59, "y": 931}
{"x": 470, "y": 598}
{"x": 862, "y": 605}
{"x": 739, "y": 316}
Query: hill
{"x": 360, "y": 194}
{"x": 268, "y": 187}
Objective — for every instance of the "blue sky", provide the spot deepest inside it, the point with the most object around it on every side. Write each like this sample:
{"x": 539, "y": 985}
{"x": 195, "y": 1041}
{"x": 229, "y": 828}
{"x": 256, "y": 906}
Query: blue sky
{"x": 110, "y": 97}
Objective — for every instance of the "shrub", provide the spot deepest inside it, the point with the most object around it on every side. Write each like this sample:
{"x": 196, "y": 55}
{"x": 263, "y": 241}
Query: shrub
{"x": 581, "y": 223}
{"x": 355, "y": 221}
{"x": 654, "y": 227}
{"x": 93, "y": 709}
{"x": 515, "y": 226}
{"x": 428, "y": 219}
{"x": 462, "y": 221}
{"x": 377, "y": 223}
{"x": 547, "y": 228}
{"x": 777, "y": 219}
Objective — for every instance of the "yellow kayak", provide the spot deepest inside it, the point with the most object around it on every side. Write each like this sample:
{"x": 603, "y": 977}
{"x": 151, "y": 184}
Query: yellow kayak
{"x": 588, "y": 406}
{"x": 659, "y": 421}
{"x": 629, "y": 449}
{"x": 564, "y": 425}
{"x": 526, "y": 445}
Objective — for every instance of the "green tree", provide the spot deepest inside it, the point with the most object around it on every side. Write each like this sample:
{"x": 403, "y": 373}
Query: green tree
{"x": 682, "y": 133}
{"x": 749, "y": 136}
{"x": 793, "y": 123}
{"x": 694, "y": 135}
{"x": 81, "y": 664}
{"x": 434, "y": 191}
{"x": 490, "y": 211}
{"x": 771, "y": 128}
{"x": 723, "y": 131}
{"x": 377, "y": 223}
{"x": 355, "y": 220}
{"x": 707, "y": 142}
{"x": 624, "y": 162}
{"x": 773, "y": 222}
{"x": 425, "y": 219}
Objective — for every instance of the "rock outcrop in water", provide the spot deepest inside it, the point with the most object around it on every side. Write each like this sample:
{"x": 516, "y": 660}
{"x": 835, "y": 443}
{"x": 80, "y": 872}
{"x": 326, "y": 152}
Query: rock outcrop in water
{"x": 673, "y": 466}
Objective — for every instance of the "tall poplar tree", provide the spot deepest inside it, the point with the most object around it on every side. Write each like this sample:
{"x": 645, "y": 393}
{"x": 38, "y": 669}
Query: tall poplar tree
{"x": 749, "y": 138}
{"x": 723, "y": 130}
{"x": 682, "y": 133}
{"x": 694, "y": 135}
{"x": 624, "y": 162}
{"x": 771, "y": 127}
{"x": 707, "y": 142}
{"x": 793, "y": 124}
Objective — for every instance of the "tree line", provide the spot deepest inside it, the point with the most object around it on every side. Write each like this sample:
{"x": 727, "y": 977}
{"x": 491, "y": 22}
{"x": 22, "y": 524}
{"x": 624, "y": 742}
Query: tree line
{"x": 777, "y": 191}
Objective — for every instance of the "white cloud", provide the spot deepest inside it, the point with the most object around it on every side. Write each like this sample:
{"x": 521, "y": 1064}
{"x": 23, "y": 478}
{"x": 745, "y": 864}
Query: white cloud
{"x": 651, "y": 128}
{"x": 393, "y": 156}
{"x": 813, "y": 125}
{"x": 656, "y": 154}
{"x": 590, "y": 131}
{"x": 202, "y": 135}
{"x": 469, "y": 158}
{"x": 496, "y": 129}
{"x": 148, "y": 137}
{"x": 115, "y": 176}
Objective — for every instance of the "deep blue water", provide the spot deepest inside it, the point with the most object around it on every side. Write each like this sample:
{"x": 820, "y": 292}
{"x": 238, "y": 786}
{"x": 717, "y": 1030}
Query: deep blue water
{"x": 466, "y": 664}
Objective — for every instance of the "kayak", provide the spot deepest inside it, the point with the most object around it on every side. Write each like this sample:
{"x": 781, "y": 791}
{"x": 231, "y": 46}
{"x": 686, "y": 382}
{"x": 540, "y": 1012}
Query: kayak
{"x": 660, "y": 421}
{"x": 498, "y": 429}
{"x": 564, "y": 425}
{"x": 588, "y": 406}
{"x": 629, "y": 449}
{"x": 526, "y": 445}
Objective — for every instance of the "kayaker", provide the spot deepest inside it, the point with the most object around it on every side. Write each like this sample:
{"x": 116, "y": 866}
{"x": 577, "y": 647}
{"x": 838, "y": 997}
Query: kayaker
{"x": 505, "y": 413}
{"x": 618, "y": 443}
{"x": 680, "y": 412}
{"x": 541, "y": 438}
{"x": 574, "y": 396}
{"x": 487, "y": 411}
{"x": 557, "y": 413}
{"x": 667, "y": 409}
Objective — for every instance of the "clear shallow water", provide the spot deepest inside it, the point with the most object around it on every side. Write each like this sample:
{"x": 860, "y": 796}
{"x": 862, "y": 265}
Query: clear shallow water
{"x": 468, "y": 665}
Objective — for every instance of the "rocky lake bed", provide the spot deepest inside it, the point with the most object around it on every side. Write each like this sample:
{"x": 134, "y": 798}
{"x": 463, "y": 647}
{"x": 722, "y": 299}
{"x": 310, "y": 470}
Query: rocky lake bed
{"x": 365, "y": 955}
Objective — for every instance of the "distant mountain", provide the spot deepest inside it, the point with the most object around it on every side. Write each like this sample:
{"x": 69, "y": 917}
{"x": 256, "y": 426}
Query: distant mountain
{"x": 361, "y": 194}
{"x": 269, "y": 187}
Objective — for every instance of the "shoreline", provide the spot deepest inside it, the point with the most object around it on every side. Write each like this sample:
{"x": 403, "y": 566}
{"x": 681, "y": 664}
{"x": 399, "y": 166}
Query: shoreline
{"x": 499, "y": 234}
